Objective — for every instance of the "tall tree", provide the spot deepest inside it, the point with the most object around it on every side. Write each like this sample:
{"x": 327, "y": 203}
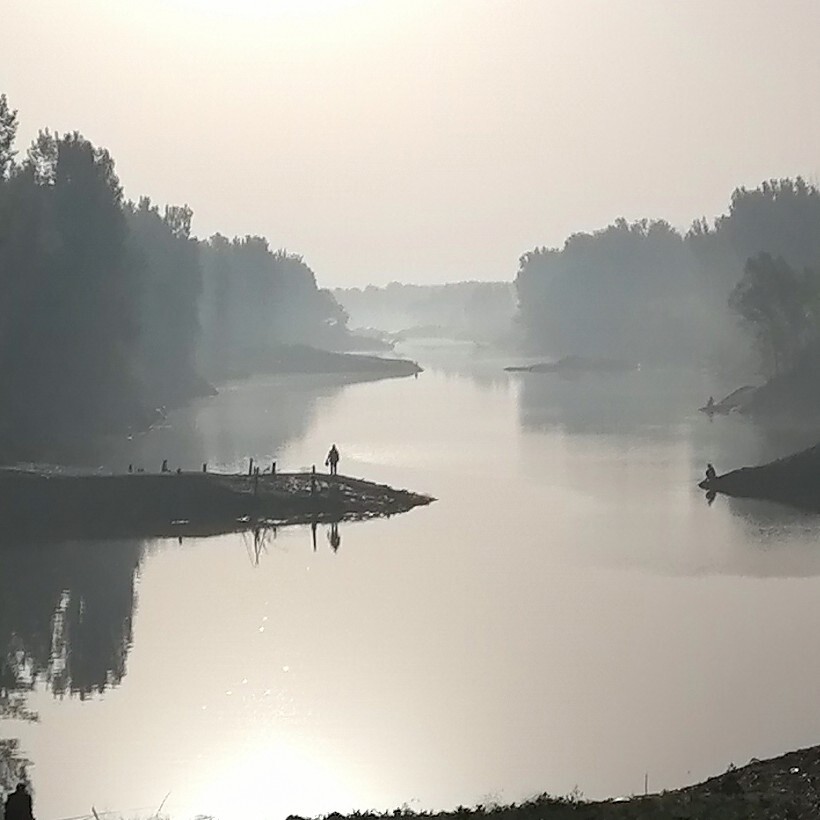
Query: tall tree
{"x": 167, "y": 307}
{"x": 65, "y": 345}
{"x": 780, "y": 306}
{"x": 618, "y": 291}
{"x": 780, "y": 217}
{"x": 8, "y": 132}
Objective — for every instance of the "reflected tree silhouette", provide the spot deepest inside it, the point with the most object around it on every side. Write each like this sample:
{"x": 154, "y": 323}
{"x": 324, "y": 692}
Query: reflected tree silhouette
{"x": 764, "y": 516}
{"x": 333, "y": 537}
{"x": 13, "y": 766}
{"x": 644, "y": 403}
{"x": 258, "y": 541}
{"x": 66, "y": 614}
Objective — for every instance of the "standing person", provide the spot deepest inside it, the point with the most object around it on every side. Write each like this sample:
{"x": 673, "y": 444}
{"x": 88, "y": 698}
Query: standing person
{"x": 18, "y": 804}
{"x": 332, "y": 459}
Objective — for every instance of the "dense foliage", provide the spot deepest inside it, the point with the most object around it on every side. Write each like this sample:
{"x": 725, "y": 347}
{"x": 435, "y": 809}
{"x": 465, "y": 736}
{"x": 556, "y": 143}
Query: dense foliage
{"x": 110, "y": 308}
{"x": 473, "y": 310}
{"x": 255, "y": 299}
{"x": 644, "y": 291}
{"x": 615, "y": 292}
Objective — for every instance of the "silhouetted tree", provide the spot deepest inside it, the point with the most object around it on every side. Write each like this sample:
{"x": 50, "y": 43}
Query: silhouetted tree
{"x": 8, "y": 132}
{"x": 780, "y": 306}
{"x": 169, "y": 281}
{"x": 779, "y": 217}
{"x": 255, "y": 299}
{"x": 626, "y": 290}
{"x": 66, "y": 336}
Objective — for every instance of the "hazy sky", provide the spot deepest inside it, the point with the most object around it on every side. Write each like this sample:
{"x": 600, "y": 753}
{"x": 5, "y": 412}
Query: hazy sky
{"x": 424, "y": 140}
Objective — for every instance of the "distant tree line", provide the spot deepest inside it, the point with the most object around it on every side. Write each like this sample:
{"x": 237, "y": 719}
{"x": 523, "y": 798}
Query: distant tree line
{"x": 644, "y": 291}
{"x": 111, "y": 308}
{"x": 474, "y": 310}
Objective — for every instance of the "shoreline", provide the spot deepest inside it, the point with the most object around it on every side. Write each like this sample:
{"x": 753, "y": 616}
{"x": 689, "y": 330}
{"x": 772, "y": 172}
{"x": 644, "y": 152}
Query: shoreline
{"x": 36, "y": 504}
{"x": 793, "y": 480}
{"x": 787, "y": 786}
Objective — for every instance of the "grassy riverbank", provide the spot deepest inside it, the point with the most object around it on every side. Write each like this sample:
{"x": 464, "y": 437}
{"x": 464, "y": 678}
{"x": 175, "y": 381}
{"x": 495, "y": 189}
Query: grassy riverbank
{"x": 786, "y": 787}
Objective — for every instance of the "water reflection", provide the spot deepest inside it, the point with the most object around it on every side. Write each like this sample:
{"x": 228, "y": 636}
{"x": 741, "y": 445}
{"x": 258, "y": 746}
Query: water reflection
{"x": 333, "y": 537}
{"x": 13, "y": 766}
{"x": 774, "y": 525}
{"x": 485, "y": 624}
{"x": 66, "y": 616}
{"x": 259, "y": 541}
{"x": 459, "y": 360}
{"x": 66, "y": 613}
{"x": 255, "y": 418}
{"x": 639, "y": 403}
{"x": 633, "y": 447}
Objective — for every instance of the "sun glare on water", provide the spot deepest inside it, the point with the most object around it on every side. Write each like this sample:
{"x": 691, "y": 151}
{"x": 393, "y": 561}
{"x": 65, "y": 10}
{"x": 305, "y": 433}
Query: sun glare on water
{"x": 269, "y": 780}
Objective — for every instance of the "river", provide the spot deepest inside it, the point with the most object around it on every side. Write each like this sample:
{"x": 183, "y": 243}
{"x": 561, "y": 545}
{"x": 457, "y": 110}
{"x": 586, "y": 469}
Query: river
{"x": 570, "y": 613}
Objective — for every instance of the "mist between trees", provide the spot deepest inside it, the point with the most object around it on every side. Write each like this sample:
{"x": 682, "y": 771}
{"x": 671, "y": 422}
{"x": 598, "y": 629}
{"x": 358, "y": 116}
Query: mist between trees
{"x": 111, "y": 309}
{"x": 643, "y": 291}
{"x": 740, "y": 294}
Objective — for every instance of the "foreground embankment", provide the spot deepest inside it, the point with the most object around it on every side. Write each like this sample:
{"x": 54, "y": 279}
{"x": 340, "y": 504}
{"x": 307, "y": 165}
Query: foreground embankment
{"x": 793, "y": 480}
{"x": 38, "y": 503}
{"x": 783, "y": 787}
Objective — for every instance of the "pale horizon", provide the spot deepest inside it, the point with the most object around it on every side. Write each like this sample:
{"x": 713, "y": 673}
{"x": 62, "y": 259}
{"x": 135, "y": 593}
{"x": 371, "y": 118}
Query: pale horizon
{"x": 406, "y": 141}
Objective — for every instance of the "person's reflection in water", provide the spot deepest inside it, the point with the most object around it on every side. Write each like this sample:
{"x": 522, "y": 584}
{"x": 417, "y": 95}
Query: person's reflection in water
{"x": 18, "y": 804}
{"x": 710, "y": 497}
{"x": 333, "y": 536}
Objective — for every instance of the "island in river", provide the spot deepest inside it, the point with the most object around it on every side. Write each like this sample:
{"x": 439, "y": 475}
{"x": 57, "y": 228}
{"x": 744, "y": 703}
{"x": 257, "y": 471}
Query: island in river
{"x": 303, "y": 359}
{"x": 36, "y": 503}
{"x": 575, "y": 364}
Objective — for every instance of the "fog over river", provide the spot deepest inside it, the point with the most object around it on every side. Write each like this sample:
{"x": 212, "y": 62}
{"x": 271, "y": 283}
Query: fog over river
{"x": 570, "y": 612}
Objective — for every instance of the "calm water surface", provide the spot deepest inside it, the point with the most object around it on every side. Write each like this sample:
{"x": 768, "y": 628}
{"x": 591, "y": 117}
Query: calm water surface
{"x": 570, "y": 612}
